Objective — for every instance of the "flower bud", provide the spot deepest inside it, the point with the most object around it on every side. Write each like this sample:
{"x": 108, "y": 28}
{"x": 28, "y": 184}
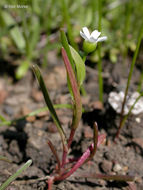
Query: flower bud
{"x": 89, "y": 47}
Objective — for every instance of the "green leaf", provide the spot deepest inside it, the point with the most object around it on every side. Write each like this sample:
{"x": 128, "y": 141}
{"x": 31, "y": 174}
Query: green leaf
{"x": 80, "y": 66}
{"x": 49, "y": 103}
{"x": 77, "y": 110}
{"x": 67, "y": 49}
{"x": 14, "y": 176}
{"x": 15, "y": 32}
{"x": 22, "y": 69}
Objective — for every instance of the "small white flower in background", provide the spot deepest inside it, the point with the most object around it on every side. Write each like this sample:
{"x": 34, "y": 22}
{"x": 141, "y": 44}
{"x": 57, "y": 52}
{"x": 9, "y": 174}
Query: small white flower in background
{"x": 116, "y": 99}
{"x": 93, "y": 37}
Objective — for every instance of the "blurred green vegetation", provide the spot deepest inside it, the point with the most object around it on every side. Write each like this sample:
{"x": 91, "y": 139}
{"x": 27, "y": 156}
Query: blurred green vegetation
{"x": 27, "y": 34}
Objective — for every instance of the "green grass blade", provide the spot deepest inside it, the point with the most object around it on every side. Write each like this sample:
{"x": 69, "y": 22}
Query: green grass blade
{"x": 49, "y": 103}
{"x": 14, "y": 176}
{"x": 33, "y": 113}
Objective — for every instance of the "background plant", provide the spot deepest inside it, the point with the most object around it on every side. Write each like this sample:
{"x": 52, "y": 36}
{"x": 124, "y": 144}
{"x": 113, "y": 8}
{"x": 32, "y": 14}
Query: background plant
{"x": 19, "y": 37}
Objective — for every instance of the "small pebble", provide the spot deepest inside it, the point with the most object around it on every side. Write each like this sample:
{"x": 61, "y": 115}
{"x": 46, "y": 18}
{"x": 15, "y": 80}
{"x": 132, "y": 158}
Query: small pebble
{"x": 125, "y": 168}
{"x": 117, "y": 168}
{"x": 138, "y": 120}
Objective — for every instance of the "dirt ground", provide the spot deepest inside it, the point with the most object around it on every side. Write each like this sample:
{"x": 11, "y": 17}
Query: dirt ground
{"x": 28, "y": 139}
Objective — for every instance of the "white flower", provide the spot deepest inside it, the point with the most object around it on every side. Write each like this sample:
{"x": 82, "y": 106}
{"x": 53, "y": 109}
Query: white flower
{"x": 116, "y": 99}
{"x": 93, "y": 37}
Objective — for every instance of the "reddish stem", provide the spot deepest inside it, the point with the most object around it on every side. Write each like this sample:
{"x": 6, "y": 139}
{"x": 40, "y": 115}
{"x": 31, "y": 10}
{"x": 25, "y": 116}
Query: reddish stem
{"x": 69, "y": 144}
{"x": 82, "y": 159}
{"x": 55, "y": 154}
{"x": 50, "y": 183}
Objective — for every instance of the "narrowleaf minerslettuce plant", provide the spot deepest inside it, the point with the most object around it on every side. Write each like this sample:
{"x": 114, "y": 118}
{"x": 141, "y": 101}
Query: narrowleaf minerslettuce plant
{"x": 66, "y": 167}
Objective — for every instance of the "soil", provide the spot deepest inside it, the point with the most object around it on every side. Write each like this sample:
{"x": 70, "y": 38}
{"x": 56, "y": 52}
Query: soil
{"x": 28, "y": 138}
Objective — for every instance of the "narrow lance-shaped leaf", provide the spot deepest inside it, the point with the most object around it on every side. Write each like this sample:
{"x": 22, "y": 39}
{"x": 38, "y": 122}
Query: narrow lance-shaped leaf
{"x": 67, "y": 49}
{"x": 14, "y": 176}
{"x": 80, "y": 66}
{"x": 77, "y": 99}
{"x": 49, "y": 104}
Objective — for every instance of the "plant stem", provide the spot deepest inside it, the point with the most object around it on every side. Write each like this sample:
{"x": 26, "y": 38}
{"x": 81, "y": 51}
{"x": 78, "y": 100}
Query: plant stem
{"x": 55, "y": 154}
{"x": 69, "y": 144}
{"x": 95, "y": 140}
{"x": 129, "y": 79}
{"x": 100, "y": 79}
{"x": 125, "y": 118}
{"x": 82, "y": 89}
{"x": 50, "y": 183}
{"x": 82, "y": 159}
{"x": 106, "y": 177}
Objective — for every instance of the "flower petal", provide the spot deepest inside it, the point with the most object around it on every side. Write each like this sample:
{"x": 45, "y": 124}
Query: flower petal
{"x": 92, "y": 40}
{"x": 86, "y": 32}
{"x": 102, "y": 39}
{"x": 95, "y": 34}
{"x": 83, "y": 35}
